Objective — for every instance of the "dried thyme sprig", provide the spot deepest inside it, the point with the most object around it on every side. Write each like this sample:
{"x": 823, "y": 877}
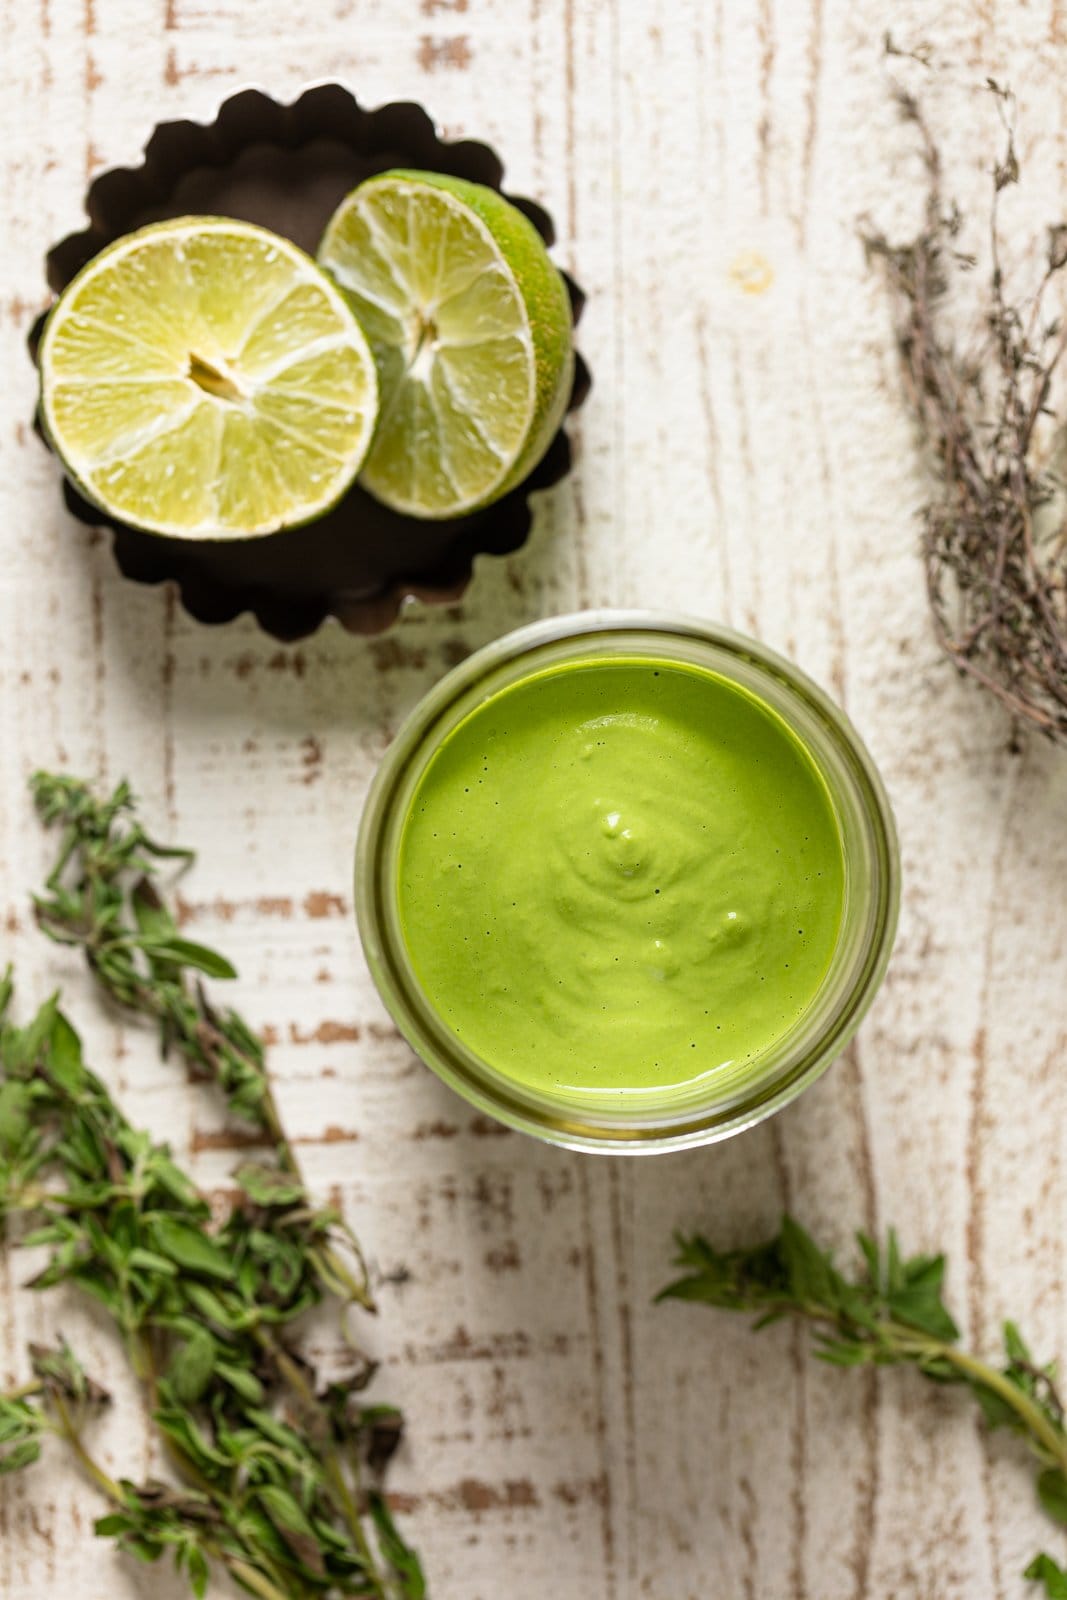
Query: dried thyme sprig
{"x": 891, "y": 1313}
{"x": 103, "y": 896}
{"x": 996, "y": 575}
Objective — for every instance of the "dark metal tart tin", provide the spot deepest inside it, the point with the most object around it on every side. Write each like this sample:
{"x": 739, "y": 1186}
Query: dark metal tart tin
{"x": 287, "y": 167}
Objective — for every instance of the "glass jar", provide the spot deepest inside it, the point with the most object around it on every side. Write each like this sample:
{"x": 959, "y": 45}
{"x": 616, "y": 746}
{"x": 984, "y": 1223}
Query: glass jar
{"x": 868, "y": 918}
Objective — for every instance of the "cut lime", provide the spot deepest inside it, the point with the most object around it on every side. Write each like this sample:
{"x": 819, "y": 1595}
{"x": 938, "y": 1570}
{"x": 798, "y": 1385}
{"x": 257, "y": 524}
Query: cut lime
{"x": 470, "y": 325}
{"x": 204, "y": 379}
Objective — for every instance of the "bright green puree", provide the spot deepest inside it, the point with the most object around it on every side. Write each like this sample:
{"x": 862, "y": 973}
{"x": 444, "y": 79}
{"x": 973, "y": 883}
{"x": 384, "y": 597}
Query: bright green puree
{"x": 620, "y": 875}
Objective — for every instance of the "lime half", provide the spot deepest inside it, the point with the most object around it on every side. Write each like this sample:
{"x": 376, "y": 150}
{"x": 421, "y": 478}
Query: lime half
{"x": 204, "y": 379}
{"x": 470, "y": 325}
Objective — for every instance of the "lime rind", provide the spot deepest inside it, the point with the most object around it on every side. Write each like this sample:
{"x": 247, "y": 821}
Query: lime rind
{"x": 470, "y": 327}
{"x": 204, "y": 379}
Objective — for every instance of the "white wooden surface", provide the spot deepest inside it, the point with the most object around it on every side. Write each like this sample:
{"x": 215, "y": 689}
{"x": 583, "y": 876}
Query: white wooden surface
{"x": 745, "y": 455}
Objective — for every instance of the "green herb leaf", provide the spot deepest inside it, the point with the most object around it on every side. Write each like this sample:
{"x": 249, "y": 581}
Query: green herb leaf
{"x": 142, "y": 1260}
{"x": 401, "y": 1557}
{"x": 1052, "y": 1492}
{"x": 809, "y": 1270}
{"x": 245, "y": 1383}
{"x": 268, "y": 1186}
{"x": 188, "y": 1247}
{"x": 22, "y": 1454}
{"x": 194, "y": 1561}
{"x": 1015, "y": 1346}
{"x": 1045, "y": 1571}
{"x": 154, "y": 921}
{"x": 183, "y": 952}
{"x": 192, "y": 1367}
{"x": 16, "y": 1100}
{"x": 917, "y": 1301}
{"x": 294, "y": 1527}
{"x": 65, "y": 1066}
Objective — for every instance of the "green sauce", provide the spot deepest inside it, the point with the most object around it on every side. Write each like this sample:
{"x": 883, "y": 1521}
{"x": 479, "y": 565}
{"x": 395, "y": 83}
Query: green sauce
{"x": 620, "y": 875}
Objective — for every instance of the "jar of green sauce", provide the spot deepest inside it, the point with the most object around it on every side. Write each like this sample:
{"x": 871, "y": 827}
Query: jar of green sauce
{"x": 627, "y": 882}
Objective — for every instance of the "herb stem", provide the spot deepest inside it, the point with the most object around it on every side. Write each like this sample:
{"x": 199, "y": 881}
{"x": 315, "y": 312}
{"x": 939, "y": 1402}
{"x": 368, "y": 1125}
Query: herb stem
{"x": 96, "y": 1472}
{"x": 331, "y": 1460}
{"x": 326, "y": 1259}
{"x": 68, "y": 845}
{"x": 337, "y": 1278}
{"x": 1041, "y": 1429}
{"x": 24, "y": 1391}
{"x": 253, "y": 1579}
{"x": 904, "y": 1342}
{"x": 349, "y": 1511}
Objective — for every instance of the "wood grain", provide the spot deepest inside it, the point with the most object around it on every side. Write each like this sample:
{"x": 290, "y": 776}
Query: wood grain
{"x": 745, "y": 455}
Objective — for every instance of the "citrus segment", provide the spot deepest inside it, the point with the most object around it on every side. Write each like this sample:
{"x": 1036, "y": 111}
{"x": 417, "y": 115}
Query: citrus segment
{"x": 203, "y": 378}
{"x": 470, "y": 326}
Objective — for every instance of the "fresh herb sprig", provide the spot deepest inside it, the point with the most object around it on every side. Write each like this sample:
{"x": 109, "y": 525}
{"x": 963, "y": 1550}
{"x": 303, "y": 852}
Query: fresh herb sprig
{"x": 103, "y": 896}
{"x": 994, "y": 529}
{"x": 273, "y": 1466}
{"x": 279, "y": 1473}
{"x": 57, "y": 1399}
{"x": 889, "y": 1313}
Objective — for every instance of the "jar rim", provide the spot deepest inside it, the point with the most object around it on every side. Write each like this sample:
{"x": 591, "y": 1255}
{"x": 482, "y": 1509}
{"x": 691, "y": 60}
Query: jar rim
{"x": 842, "y": 760}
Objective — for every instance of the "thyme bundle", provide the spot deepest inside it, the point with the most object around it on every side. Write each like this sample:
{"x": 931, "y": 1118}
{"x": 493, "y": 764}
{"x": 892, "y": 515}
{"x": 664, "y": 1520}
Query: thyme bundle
{"x": 994, "y": 533}
{"x": 277, "y": 1474}
{"x": 889, "y": 1313}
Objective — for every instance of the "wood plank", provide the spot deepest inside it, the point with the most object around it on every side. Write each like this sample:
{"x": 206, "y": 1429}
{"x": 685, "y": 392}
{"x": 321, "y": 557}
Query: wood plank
{"x": 746, "y": 455}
